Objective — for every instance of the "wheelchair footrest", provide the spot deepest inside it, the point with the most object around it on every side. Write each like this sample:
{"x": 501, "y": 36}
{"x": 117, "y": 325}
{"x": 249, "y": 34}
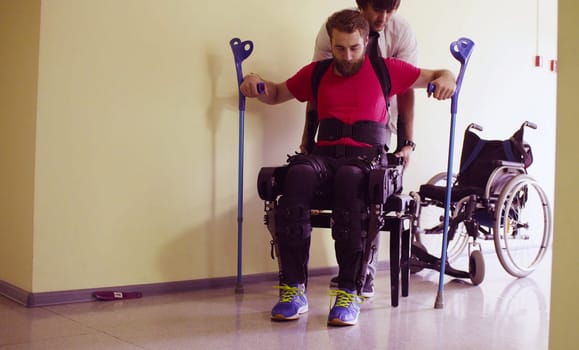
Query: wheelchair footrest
{"x": 420, "y": 258}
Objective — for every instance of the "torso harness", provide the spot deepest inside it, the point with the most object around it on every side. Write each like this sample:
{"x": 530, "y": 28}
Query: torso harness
{"x": 370, "y": 132}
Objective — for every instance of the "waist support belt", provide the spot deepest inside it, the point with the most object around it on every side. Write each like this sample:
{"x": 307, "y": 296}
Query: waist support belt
{"x": 339, "y": 151}
{"x": 369, "y": 132}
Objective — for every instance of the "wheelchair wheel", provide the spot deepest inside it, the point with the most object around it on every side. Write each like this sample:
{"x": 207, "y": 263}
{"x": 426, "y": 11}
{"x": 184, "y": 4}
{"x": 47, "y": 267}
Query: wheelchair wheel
{"x": 522, "y": 228}
{"x": 459, "y": 242}
{"x": 432, "y": 219}
{"x": 476, "y": 267}
{"x": 440, "y": 179}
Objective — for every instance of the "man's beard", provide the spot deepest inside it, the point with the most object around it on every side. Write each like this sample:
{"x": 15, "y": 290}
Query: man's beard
{"x": 346, "y": 68}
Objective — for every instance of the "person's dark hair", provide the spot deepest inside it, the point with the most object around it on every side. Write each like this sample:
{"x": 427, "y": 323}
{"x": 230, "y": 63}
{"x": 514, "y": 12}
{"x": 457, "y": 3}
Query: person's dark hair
{"x": 387, "y": 5}
{"x": 348, "y": 21}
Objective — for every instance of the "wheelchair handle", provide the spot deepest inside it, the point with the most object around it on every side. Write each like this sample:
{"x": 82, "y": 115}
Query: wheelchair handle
{"x": 475, "y": 126}
{"x": 241, "y": 50}
{"x": 530, "y": 124}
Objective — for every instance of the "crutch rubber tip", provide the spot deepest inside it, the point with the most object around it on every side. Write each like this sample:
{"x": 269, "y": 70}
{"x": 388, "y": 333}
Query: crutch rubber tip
{"x": 439, "y": 303}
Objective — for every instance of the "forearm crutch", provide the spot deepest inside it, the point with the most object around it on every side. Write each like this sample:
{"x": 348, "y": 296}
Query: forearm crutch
{"x": 241, "y": 50}
{"x": 460, "y": 50}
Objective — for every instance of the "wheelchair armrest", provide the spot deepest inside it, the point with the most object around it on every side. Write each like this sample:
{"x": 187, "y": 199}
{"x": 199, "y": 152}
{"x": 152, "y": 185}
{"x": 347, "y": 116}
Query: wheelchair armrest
{"x": 269, "y": 181}
{"x": 507, "y": 163}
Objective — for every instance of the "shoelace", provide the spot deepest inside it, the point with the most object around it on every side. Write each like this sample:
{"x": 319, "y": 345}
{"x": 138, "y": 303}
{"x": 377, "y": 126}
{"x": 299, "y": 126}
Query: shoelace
{"x": 344, "y": 299}
{"x": 287, "y": 293}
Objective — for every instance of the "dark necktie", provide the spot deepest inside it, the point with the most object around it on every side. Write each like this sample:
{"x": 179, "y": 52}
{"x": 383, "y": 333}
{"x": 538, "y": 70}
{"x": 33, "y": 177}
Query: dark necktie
{"x": 372, "y": 49}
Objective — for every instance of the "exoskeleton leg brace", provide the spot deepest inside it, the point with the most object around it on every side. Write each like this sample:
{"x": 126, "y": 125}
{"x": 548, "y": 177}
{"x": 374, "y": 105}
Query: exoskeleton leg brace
{"x": 288, "y": 217}
{"x": 351, "y": 222}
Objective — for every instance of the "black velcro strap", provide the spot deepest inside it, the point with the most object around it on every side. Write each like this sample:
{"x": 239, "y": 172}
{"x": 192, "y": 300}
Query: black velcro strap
{"x": 369, "y": 132}
{"x": 340, "y": 151}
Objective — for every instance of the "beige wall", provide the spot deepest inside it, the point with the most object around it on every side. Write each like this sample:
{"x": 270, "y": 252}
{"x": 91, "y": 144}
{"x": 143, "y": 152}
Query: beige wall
{"x": 19, "y": 38}
{"x": 137, "y": 137}
{"x": 565, "y": 283}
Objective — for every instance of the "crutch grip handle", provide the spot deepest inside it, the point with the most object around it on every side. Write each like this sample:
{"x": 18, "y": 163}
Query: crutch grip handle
{"x": 430, "y": 88}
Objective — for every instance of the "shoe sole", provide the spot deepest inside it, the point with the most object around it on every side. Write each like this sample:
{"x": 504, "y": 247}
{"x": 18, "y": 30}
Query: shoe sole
{"x": 339, "y": 323}
{"x": 280, "y": 317}
{"x": 368, "y": 294}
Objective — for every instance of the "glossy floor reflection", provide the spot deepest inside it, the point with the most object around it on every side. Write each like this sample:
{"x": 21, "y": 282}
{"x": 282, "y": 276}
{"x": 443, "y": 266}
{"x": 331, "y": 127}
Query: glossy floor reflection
{"x": 502, "y": 313}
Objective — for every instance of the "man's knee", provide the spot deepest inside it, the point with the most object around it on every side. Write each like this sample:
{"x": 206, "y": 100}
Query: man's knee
{"x": 351, "y": 182}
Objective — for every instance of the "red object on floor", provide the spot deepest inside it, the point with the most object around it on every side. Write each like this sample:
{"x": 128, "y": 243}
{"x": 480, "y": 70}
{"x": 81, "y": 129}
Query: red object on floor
{"x": 113, "y": 295}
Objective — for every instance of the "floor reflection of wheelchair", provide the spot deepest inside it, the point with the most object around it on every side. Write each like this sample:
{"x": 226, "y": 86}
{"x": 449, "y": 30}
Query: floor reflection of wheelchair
{"x": 492, "y": 198}
{"x": 388, "y": 210}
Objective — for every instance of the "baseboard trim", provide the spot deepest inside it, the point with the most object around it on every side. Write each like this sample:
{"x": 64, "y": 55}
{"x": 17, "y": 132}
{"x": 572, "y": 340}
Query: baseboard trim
{"x": 28, "y": 299}
{"x": 14, "y": 293}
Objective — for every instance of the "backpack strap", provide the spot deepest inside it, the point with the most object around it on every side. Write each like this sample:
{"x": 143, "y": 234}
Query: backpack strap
{"x": 319, "y": 70}
{"x": 383, "y": 77}
{"x": 473, "y": 155}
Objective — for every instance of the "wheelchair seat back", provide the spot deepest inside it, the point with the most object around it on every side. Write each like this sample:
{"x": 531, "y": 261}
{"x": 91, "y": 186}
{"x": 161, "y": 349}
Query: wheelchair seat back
{"x": 480, "y": 157}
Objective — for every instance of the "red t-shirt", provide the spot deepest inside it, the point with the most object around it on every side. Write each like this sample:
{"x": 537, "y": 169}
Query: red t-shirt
{"x": 354, "y": 98}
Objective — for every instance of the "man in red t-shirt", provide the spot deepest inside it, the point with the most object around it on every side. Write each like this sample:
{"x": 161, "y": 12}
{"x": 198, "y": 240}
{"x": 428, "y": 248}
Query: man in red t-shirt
{"x": 353, "y": 115}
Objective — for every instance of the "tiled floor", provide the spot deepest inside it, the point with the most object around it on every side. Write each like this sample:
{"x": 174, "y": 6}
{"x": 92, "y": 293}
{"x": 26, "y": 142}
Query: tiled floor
{"x": 502, "y": 313}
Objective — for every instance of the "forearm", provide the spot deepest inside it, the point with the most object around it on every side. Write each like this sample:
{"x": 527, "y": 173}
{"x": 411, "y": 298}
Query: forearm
{"x": 444, "y": 74}
{"x": 405, "y": 103}
{"x": 442, "y": 79}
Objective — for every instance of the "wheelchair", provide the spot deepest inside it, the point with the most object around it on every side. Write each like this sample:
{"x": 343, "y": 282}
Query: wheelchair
{"x": 388, "y": 210}
{"x": 492, "y": 198}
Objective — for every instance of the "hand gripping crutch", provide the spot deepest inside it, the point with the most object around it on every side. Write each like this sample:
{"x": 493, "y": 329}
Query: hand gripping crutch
{"x": 460, "y": 50}
{"x": 241, "y": 50}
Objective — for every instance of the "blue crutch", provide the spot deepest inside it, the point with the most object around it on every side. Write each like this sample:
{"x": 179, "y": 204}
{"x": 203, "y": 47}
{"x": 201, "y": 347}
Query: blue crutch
{"x": 460, "y": 50}
{"x": 241, "y": 50}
